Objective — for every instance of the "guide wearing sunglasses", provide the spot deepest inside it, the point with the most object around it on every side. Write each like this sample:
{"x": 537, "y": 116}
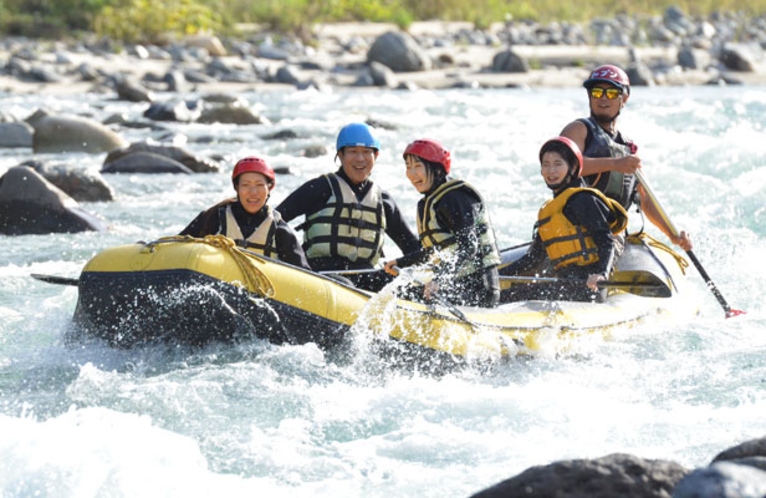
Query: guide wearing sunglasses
{"x": 610, "y": 160}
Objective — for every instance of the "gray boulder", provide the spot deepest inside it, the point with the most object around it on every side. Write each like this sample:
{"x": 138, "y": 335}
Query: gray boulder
{"x": 17, "y": 134}
{"x": 82, "y": 185}
{"x": 400, "y": 52}
{"x": 693, "y": 58}
{"x": 230, "y": 114}
{"x": 144, "y": 162}
{"x": 382, "y": 75}
{"x": 29, "y": 204}
{"x": 739, "y": 57}
{"x": 194, "y": 163}
{"x": 723, "y": 480}
{"x": 622, "y": 475}
{"x": 174, "y": 110}
{"x": 509, "y": 61}
{"x": 68, "y": 133}
{"x": 751, "y": 448}
{"x": 132, "y": 91}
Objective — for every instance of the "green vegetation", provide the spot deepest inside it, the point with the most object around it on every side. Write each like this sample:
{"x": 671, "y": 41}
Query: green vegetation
{"x": 155, "y": 20}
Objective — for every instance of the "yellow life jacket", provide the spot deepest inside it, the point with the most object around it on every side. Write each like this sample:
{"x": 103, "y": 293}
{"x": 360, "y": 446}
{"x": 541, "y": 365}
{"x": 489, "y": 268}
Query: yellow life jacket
{"x": 433, "y": 235}
{"x": 568, "y": 244}
{"x": 262, "y": 240}
{"x": 345, "y": 226}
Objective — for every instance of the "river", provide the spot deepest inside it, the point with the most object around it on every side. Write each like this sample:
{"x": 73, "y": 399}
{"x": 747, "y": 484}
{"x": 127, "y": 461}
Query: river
{"x": 255, "y": 419}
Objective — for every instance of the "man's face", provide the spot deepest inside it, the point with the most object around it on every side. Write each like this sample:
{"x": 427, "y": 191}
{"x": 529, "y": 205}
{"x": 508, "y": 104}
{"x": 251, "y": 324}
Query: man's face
{"x": 606, "y": 101}
{"x": 357, "y": 162}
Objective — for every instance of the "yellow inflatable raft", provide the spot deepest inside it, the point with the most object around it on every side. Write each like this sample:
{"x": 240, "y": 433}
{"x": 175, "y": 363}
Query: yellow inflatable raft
{"x": 193, "y": 291}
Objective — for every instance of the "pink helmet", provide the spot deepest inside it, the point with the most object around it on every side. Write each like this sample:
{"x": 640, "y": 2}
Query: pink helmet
{"x": 255, "y": 165}
{"x": 609, "y": 74}
{"x": 430, "y": 150}
{"x": 570, "y": 149}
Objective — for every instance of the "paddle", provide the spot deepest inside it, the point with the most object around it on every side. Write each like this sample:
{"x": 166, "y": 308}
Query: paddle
{"x": 53, "y": 279}
{"x": 350, "y": 272}
{"x": 713, "y": 288}
{"x": 603, "y": 283}
{"x": 439, "y": 299}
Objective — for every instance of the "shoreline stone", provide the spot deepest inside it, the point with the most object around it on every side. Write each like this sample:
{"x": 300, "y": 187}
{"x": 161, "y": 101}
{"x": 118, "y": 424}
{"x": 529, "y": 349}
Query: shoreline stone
{"x": 459, "y": 56}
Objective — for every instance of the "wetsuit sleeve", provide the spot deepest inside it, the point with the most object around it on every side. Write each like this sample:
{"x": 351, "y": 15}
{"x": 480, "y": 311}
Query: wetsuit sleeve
{"x": 306, "y": 199}
{"x": 206, "y": 223}
{"x": 414, "y": 258}
{"x": 396, "y": 228}
{"x": 458, "y": 211}
{"x": 589, "y": 211}
{"x": 289, "y": 247}
{"x": 529, "y": 261}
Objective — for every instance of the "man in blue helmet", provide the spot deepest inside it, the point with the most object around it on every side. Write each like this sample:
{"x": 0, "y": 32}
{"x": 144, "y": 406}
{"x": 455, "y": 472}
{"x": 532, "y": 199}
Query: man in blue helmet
{"x": 347, "y": 214}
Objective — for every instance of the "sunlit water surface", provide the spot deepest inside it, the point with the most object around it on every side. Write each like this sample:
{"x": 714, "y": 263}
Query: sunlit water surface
{"x": 256, "y": 420}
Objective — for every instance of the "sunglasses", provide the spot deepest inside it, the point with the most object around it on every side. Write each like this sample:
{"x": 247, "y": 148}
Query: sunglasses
{"x": 611, "y": 93}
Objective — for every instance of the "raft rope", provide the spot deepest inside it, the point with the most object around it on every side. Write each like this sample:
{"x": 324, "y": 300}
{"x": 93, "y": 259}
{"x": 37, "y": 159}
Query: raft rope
{"x": 255, "y": 279}
{"x": 682, "y": 263}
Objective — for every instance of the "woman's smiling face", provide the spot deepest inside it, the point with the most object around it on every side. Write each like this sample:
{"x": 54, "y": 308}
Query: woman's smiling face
{"x": 418, "y": 174}
{"x": 253, "y": 191}
{"x": 554, "y": 168}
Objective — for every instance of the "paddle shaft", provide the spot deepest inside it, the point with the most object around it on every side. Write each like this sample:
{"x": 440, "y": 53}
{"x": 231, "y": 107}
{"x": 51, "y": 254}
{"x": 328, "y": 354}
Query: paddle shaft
{"x": 350, "y": 272}
{"x": 603, "y": 283}
{"x": 709, "y": 281}
{"x": 439, "y": 299}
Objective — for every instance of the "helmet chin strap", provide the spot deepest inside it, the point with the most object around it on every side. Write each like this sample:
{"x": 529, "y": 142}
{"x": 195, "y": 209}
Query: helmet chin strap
{"x": 557, "y": 187}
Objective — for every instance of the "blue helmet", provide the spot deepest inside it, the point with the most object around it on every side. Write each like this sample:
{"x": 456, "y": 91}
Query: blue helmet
{"x": 357, "y": 134}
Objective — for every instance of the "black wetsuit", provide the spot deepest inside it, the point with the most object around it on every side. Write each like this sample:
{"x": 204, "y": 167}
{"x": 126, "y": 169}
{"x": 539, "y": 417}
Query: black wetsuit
{"x": 313, "y": 195}
{"x": 583, "y": 209}
{"x": 213, "y": 221}
{"x": 458, "y": 212}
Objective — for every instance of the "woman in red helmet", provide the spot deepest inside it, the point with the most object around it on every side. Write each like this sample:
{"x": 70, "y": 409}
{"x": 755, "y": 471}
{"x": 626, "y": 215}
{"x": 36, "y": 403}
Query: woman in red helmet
{"x": 574, "y": 233}
{"x": 456, "y": 235}
{"x": 248, "y": 218}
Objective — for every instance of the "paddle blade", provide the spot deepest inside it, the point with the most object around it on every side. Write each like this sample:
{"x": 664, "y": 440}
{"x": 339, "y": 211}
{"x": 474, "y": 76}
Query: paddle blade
{"x": 730, "y": 313}
{"x": 54, "y": 279}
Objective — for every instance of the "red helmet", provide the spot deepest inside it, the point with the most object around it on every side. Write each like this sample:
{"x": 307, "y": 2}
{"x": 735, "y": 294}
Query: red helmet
{"x": 568, "y": 150}
{"x": 430, "y": 150}
{"x": 609, "y": 74}
{"x": 255, "y": 165}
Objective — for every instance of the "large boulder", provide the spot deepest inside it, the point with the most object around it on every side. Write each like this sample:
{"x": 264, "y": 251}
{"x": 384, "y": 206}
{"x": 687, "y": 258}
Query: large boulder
{"x": 83, "y": 185}
{"x": 68, "y": 133}
{"x": 29, "y": 204}
{"x": 230, "y": 114}
{"x": 723, "y": 480}
{"x": 509, "y": 61}
{"x": 400, "y": 52}
{"x": 181, "y": 111}
{"x": 144, "y": 162}
{"x": 179, "y": 154}
{"x": 750, "y": 448}
{"x": 740, "y": 57}
{"x": 622, "y": 475}
{"x": 16, "y": 134}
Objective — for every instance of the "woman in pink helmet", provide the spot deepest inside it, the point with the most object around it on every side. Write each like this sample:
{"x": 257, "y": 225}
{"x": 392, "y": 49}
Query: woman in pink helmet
{"x": 249, "y": 219}
{"x": 456, "y": 235}
{"x": 610, "y": 159}
{"x": 575, "y": 231}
